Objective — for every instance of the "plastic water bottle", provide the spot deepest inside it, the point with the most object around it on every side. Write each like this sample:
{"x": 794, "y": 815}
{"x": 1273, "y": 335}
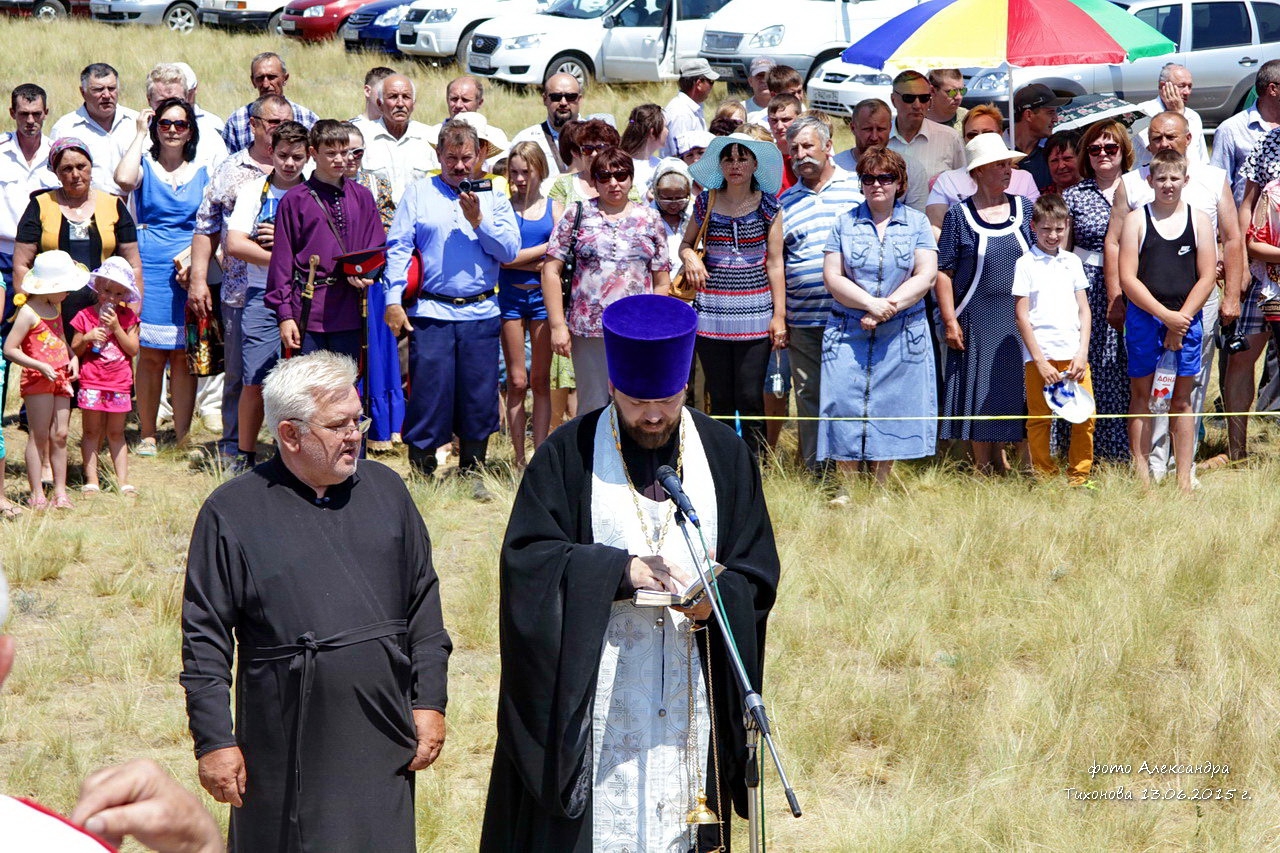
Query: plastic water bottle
{"x": 105, "y": 314}
{"x": 1162, "y": 384}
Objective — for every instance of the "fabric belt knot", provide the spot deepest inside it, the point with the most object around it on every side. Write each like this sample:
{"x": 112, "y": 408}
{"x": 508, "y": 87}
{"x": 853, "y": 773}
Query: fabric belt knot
{"x": 302, "y": 656}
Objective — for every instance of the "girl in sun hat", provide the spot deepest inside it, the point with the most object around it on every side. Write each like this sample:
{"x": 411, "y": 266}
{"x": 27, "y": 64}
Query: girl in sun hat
{"x": 741, "y": 291}
{"x": 106, "y": 342}
{"x": 37, "y": 344}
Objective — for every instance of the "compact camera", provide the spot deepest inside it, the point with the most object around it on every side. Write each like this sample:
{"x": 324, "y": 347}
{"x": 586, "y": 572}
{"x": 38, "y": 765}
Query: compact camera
{"x": 484, "y": 185}
{"x": 1232, "y": 340}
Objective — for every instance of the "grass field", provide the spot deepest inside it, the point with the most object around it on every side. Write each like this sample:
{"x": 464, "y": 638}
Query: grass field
{"x": 947, "y": 660}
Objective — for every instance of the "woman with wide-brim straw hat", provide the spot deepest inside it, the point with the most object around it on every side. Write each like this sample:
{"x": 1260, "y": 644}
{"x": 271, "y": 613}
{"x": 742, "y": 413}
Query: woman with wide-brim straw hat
{"x": 981, "y": 240}
{"x": 741, "y": 300}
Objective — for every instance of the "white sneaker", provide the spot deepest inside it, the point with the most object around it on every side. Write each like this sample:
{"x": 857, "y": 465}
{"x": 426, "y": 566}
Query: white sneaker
{"x": 212, "y": 422}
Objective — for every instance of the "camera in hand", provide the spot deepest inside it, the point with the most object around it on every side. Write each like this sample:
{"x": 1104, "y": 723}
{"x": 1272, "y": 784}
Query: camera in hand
{"x": 482, "y": 185}
{"x": 1232, "y": 340}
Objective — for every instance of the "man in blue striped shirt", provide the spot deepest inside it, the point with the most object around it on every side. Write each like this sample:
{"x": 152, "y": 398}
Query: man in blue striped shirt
{"x": 809, "y": 210}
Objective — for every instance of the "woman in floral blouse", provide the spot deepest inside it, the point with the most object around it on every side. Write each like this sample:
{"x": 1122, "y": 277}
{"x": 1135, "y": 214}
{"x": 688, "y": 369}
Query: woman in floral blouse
{"x": 621, "y": 250}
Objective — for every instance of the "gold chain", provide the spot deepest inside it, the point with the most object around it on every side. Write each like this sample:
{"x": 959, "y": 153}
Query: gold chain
{"x": 654, "y": 543}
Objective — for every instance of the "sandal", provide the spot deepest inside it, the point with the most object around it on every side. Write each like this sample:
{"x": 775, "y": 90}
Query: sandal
{"x": 90, "y": 489}
{"x": 129, "y": 491}
{"x": 10, "y": 511}
{"x": 37, "y": 502}
{"x": 1213, "y": 463}
{"x": 146, "y": 447}
{"x": 62, "y": 502}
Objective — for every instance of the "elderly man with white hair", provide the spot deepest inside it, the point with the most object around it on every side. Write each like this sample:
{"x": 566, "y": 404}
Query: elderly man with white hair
{"x": 1173, "y": 95}
{"x": 315, "y": 576}
{"x": 396, "y": 147}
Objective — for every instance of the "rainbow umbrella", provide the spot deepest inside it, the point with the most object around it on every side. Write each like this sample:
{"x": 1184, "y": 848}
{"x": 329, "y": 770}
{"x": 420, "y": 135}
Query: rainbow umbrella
{"x": 990, "y": 33}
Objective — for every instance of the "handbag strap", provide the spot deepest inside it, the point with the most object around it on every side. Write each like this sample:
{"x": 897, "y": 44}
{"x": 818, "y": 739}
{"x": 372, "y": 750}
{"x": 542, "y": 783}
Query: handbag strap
{"x": 699, "y": 242}
{"x": 573, "y": 235}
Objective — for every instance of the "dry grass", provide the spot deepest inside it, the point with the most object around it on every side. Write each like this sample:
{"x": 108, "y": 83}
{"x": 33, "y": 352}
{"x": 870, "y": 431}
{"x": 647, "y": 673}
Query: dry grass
{"x": 946, "y": 657}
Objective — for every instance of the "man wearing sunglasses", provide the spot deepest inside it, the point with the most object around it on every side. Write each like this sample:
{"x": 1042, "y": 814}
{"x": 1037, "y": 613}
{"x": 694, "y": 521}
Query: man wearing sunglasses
{"x": 946, "y": 90}
{"x": 935, "y": 147}
{"x": 1036, "y": 108}
{"x": 562, "y": 96}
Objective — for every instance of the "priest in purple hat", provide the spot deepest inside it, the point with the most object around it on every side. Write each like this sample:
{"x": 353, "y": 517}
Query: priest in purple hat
{"x": 614, "y": 718}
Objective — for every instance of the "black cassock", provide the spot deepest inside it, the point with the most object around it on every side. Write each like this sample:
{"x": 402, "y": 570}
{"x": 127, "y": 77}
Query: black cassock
{"x": 335, "y": 609}
{"x": 557, "y": 588}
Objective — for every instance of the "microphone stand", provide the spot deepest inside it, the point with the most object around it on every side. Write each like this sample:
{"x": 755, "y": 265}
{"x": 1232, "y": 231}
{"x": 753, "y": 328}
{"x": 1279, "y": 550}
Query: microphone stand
{"x": 754, "y": 714}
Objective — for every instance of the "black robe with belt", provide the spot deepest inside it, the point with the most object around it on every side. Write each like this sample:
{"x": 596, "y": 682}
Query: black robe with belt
{"x": 333, "y": 610}
{"x": 557, "y": 588}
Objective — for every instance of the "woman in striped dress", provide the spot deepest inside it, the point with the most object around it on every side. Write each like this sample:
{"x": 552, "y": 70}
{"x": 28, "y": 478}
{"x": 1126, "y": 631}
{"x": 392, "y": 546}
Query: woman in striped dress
{"x": 741, "y": 301}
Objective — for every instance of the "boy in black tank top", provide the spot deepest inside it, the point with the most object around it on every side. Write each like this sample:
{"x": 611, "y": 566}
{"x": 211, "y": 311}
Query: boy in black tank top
{"x": 1168, "y": 261}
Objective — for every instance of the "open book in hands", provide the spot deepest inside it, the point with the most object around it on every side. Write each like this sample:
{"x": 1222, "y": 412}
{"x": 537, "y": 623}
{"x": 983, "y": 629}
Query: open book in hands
{"x": 686, "y": 597}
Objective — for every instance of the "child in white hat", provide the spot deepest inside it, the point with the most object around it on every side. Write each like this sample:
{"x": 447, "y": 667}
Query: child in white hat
{"x": 106, "y": 342}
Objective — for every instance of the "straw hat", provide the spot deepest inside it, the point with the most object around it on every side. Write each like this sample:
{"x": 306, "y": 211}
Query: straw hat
{"x": 494, "y": 139}
{"x": 54, "y": 272}
{"x": 768, "y": 162}
{"x": 116, "y": 269}
{"x": 987, "y": 148}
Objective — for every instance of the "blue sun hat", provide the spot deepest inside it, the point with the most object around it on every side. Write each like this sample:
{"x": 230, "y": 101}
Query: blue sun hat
{"x": 1070, "y": 401}
{"x": 768, "y": 162}
{"x": 648, "y": 344}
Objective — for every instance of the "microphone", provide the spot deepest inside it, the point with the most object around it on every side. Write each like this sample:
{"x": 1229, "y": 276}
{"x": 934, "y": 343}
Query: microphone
{"x": 670, "y": 482}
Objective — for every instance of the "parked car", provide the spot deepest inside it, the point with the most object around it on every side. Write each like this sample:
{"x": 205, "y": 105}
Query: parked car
{"x": 436, "y": 30}
{"x": 181, "y": 16}
{"x": 1221, "y": 42}
{"x": 45, "y": 10}
{"x": 613, "y": 41}
{"x": 837, "y": 86}
{"x": 801, "y": 33}
{"x": 316, "y": 20}
{"x": 374, "y": 26}
{"x": 242, "y": 14}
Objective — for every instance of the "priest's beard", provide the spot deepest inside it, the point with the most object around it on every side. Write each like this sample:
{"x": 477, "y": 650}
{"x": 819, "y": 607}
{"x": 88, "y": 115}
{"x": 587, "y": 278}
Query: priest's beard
{"x": 648, "y": 434}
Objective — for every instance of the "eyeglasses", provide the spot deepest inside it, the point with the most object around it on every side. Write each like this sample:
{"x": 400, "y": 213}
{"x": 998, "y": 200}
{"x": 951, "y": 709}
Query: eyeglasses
{"x": 883, "y": 180}
{"x": 268, "y": 122}
{"x": 617, "y": 175}
{"x": 593, "y": 148}
{"x": 355, "y": 153}
{"x": 360, "y": 426}
{"x": 912, "y": 99}
{"x": 955, "y": 93}
{"x": 567, "y": 97}
{"x": 178, "y": 124}
{"x": 1110, "y": 149}
{"x": 684, "y": 199}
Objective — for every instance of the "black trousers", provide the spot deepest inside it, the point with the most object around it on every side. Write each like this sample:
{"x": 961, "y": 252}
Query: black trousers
{"x": 735, "y": 373}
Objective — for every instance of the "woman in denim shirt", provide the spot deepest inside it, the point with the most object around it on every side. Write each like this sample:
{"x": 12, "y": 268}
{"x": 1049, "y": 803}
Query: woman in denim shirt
{"x": 877, "y": 360}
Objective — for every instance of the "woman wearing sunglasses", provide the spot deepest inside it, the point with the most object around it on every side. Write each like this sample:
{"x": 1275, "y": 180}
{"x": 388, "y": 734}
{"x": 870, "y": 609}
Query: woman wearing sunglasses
{"x": 982, "y": 238}
{"x": 167, "y": 187}
{"x": 621, "y": 250}
{"x": 1103, "y": 155}
{"x": 877, "y": 360}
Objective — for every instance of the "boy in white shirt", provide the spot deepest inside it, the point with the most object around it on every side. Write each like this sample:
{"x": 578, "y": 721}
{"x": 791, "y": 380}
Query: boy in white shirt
{"x": 1053, "y": 317}
{"x": 250, "y": 229}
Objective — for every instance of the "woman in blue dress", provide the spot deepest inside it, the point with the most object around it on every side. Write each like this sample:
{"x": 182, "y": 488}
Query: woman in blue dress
{"x": 877, "y": 361}
{"x": 981, "y": 241}
{"x": 167, "y": 187}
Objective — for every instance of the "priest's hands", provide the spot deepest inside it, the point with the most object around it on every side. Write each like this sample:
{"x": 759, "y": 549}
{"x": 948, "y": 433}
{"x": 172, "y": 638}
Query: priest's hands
{"x": 222, "y": 774}
{"x": 655, "y": 573}
{"x": 142, "y": 800}
{"x": 430, "y": 727}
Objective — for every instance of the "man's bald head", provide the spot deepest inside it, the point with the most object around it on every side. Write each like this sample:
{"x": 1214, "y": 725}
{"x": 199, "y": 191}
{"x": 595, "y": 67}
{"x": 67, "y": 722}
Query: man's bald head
{"x": 464, "y": 95}
{"x": 1169, "y": 131}
{"x": 562, "y": 96}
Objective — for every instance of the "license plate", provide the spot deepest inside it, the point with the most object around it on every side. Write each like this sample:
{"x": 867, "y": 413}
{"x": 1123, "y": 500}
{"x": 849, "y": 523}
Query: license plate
{"x": 208, "y": 18}
{"x": 725, "y": 71}
{"x": 406, "y": 28}
{"x": 481, "y": 63}
{"x": 349, "y": 33}
{"x": 99, "y": 8}
{"x": 288, "y": 26}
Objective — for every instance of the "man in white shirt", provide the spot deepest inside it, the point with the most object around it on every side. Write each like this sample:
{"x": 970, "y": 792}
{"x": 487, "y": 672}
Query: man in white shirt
{"x": 1208, "y": 191}
{"x": 1174, "y": 94}
{"x": 871, "y": 124}
{"x": 396, "y": 147}
{"x": 758, "y": 80}
{"x": 935, "y": 147}
{"x": 209, "y": 123}
{"x": 167, "y": 80}
{"x": 562, "y": 96}
{"x": 24, "y": 152}
{"x": 100, "y": 123}
{"x": 684, "y": 111}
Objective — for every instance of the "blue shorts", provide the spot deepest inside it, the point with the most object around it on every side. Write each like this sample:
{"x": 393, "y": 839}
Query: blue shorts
{"x": 1144, "y": 344}
{"x": 259, "y": 339}
{"x": 518, "y": 303}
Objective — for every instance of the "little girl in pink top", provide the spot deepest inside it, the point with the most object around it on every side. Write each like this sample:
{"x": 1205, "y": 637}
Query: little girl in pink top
{"x": 106, "y": 342}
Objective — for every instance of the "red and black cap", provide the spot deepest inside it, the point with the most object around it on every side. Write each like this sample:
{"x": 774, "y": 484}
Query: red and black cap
{"x": 366, "y": 263}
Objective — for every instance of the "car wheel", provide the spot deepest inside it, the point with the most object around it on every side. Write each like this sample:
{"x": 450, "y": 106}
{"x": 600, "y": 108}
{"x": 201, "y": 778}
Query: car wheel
{"x": 273, "y": 24}
{"x": 571, "y": 63}
{"x": 181, "y": 18}
{"x": 49, "y": 10}
{"x": 463, "y": 53}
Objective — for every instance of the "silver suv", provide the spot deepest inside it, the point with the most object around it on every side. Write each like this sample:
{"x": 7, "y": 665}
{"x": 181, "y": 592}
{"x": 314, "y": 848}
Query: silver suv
{"x": 1222, "y": 43}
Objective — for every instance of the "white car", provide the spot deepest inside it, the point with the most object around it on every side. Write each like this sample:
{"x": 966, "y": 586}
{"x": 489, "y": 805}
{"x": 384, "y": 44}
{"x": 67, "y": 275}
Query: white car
{"x": 613, "y": 41}
{"x": 836, "y": 87}
{"x": 441, "y": 29}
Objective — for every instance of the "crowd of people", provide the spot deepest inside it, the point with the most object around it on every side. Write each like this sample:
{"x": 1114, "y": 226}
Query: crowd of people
{"x": 466, "y": 270}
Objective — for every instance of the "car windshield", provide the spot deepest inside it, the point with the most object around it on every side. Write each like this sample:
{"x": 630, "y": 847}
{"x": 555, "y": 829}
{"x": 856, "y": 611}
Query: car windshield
{"x": 578, "y": 8}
